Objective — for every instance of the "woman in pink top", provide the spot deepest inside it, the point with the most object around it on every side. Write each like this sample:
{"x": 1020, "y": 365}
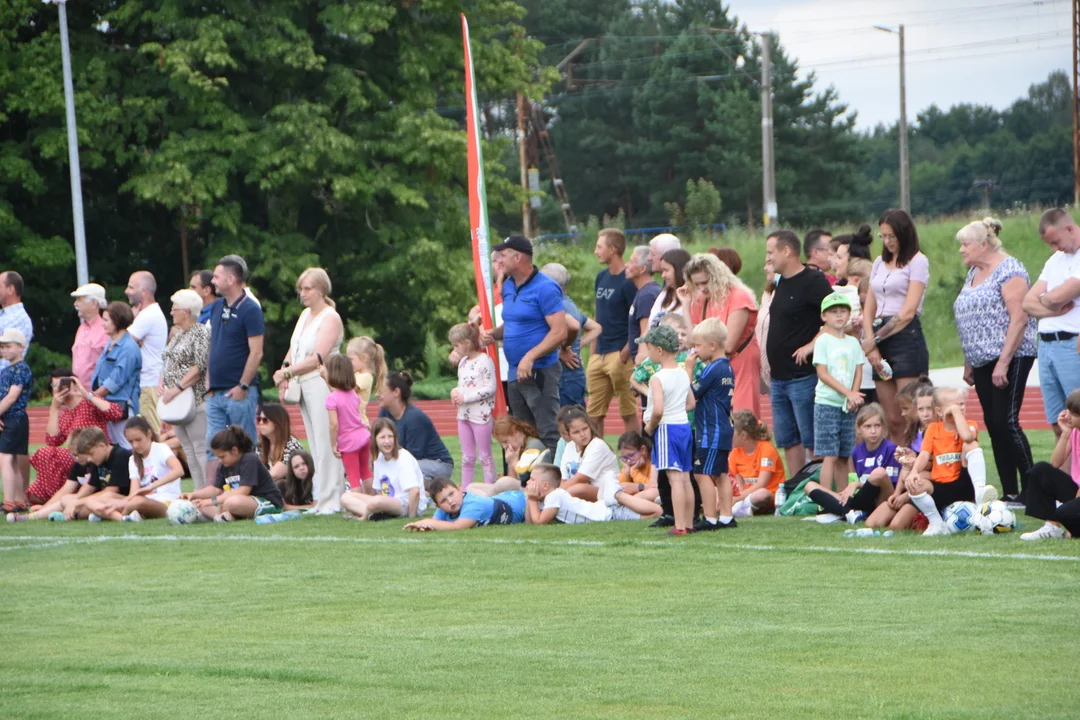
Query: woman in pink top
{"x": 349, "y": 435}
{"x": 1048, "y": 484}
{"x": 891, "y": 329}
{"x": 713, "y": 291}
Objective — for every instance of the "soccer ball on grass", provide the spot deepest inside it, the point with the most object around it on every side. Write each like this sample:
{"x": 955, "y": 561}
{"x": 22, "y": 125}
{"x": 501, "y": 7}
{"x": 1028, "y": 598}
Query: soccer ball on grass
{"x": 182, "y": 512}
{"x": 998, "y": 518}
{"x": 961, "y": 517}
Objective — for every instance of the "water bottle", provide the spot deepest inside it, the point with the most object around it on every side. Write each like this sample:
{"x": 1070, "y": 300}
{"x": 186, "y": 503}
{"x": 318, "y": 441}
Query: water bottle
{"x": 277, "y": 517}
{"x": 886, "y": 370}
{"x": 781, "y": 498}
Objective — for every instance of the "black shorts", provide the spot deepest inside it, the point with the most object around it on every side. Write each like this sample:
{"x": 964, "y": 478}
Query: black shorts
{"x": 906, "y": 350}
{"x": 945, "y": 494}
{"x": 15, "y": 437}
{"x": 710, "y": 462}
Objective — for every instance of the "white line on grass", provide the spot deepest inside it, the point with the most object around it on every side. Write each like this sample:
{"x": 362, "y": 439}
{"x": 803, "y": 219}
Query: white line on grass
{"x": 43, "y": 541}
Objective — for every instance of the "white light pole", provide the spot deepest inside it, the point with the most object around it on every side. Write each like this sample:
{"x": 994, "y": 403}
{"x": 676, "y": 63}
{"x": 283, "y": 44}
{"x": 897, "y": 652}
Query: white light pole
{"x": 82, "y": 275}
{"x": 905, "y": 182}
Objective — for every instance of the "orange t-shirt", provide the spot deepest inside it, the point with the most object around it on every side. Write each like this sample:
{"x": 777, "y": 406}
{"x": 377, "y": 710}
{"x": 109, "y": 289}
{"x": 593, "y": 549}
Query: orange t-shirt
{"x": 946, "y": 451}
{"x": 750, "y": 467}
{"x": 641, "y": 475}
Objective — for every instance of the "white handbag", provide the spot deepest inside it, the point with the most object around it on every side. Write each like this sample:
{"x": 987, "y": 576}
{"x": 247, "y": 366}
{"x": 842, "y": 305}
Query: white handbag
{"x": 291, "y": 396}
{"x": 180, "y": 411}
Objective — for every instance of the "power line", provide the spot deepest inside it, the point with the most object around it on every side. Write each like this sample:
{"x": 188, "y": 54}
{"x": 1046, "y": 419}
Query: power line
{"x": 946, "y": 11}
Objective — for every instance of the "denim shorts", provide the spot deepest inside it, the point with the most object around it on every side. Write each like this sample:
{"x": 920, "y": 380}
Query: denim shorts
{"x": 1059, "y": 375}
{"x": 793, "y": 411}
{"x": 834, "y": 431}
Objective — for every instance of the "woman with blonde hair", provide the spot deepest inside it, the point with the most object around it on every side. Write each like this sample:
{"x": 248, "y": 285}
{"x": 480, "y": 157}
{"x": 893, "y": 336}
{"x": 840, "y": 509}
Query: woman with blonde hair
{"x": 318, "y": 333}
{"x": 183, "y": 365}
{"x": 712, "y": 290}
{"x": 998, "y": 340}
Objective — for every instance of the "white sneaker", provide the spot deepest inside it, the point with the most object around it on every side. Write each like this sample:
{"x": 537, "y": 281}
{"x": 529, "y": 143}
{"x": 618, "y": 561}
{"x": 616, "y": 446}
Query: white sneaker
{"x": 93, "y": 518}
{"x": 828, "y": 518}
{"x": 223, "y": 517}
{"x": 608, "y": 491}
{"x": 1048, "y": 531}
{"x": 935, "y": 529}
{"x": 989, "y": 494}
{"x": 133, "y": 516}
{"x": 855, "y": 516}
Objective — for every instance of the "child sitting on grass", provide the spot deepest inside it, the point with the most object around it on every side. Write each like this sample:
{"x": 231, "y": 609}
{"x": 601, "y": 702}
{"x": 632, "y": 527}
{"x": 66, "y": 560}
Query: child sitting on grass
{"x": 1053, "y": 488}
{"x": 154, "y": 472}
{"x": 16, "y": 382}
{"x": 242, "y": 488}
{"x": 398, "y": 484}
{"x": 666, "y": 420}
{"x": 297, "y": 485}
{"x": 838, "y": 359}
{"x": 637, "y": 476}
{"x": 714, "y": 393}
{"x": 754, "y": 466}
{"x": 876, "y": 467}
{"x": 546, "y": 502}
{"x": 950, "y": 448}
{"x": 521, "y": 444}
{"x": 501, "y": 503}
{"x": 916, "y": 401}
{"x": 588, "y": 462}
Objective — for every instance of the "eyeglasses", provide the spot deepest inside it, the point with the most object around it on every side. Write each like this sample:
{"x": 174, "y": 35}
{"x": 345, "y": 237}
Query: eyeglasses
{"x": 260, "y": 419}
{"x": 886, "y": 236}
{"x": 628, "y": 459}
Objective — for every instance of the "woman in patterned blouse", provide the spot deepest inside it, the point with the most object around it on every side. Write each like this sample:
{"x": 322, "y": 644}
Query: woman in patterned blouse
{"x": 184, "y": 362}
{"x": 276, "y": 441}
{"x": 998, "y": 339}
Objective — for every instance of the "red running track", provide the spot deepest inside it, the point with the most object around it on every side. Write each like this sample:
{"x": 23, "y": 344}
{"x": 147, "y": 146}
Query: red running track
{"x": 444, "y": 415}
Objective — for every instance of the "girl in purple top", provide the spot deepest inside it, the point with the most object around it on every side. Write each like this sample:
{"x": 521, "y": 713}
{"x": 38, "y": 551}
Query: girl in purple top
{"x": 891, "y": 329}
{"x": 876, "y": 465}
{"x": 350, "y": 437}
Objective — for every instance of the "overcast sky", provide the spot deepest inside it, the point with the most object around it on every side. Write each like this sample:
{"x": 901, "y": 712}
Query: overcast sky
{"x": 1006, "y": 46}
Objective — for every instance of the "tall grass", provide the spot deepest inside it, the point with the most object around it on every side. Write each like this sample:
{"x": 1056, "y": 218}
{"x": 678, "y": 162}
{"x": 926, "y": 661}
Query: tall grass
{"x": 937, "y": 239}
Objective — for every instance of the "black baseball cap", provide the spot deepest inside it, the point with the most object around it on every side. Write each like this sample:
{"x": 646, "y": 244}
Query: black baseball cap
{"x": 516, "y": 242}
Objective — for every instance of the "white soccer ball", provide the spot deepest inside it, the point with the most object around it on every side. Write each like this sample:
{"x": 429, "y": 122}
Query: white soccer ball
{"x": 1001, "y": 518}
{"x": 960, "y": 517}
{"x": 182, "y": 512}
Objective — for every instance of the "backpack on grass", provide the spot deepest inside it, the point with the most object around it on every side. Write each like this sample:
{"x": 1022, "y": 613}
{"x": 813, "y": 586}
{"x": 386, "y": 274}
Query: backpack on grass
{"x": 797, "y": 502}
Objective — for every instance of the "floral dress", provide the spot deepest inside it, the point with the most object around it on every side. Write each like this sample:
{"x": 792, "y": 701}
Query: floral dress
{"x": 53, "y": 461}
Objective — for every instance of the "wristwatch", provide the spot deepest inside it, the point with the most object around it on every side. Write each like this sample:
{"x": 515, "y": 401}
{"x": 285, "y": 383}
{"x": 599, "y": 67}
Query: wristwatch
{"x": 245, "y": 387}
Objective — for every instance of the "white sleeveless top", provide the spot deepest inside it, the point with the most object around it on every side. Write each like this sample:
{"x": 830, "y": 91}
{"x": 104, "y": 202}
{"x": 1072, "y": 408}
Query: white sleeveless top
{"x": 676, "y": 388}
{"x": 305, "y": 335}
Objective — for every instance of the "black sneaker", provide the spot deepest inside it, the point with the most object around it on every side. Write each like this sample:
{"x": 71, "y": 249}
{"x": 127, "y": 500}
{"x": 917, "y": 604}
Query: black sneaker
{"x": 703, "y": 525}
{"x": 726, "y": 526}
{"x": 663, "y": 521}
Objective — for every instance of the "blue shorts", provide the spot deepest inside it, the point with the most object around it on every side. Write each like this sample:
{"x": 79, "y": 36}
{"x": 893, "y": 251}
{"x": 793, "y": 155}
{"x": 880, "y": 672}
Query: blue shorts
{"x": 793, "y": 412}
{"x": 516, "y": 500}
{"x": 15, "y": 437}
{"x": 710, "y": 461}
{"x": 834, "y": 431}
{"x": 1059, "y": 375}
{"x": 673, "y": 448}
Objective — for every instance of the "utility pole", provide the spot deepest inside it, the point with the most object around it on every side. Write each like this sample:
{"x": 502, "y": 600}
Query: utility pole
{"x": 1076, "y": 101}
{"x": 905, "y": 182}
{"x": 81, "y": 273}
{"x": 768, "y": 161}
{"x": 528, "y": 227}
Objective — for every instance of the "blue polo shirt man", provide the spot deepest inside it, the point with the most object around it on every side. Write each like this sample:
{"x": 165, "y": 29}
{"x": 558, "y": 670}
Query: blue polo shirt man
{"x": 236, "y": 349}
{"x": 533, "y": 329}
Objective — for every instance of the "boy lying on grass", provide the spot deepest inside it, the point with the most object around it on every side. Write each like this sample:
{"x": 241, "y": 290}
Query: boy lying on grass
{"x": 547, "y": 502}
{"x": 500, "y": 503}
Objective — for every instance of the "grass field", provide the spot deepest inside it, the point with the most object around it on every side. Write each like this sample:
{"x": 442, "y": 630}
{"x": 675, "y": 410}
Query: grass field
{"x": 322, "y": 617}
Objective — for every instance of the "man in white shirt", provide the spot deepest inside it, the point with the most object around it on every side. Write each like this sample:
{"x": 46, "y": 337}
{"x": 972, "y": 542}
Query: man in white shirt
{"x": 1052, "y": 300}
{"x": 12, "y": 312}
{"x": 150, "y": 331}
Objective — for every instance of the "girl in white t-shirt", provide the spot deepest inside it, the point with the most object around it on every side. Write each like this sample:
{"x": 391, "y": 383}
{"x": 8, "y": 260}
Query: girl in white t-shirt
{"x": 398, "y": 482}
{"x": 154, "y": 472}
{"x": 588, "y": 462}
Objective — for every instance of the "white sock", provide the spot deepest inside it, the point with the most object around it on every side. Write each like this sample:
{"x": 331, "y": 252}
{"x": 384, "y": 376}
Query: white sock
{"x": 976, "y": 466}
{"x": 711, "y": 521}
{"x": 725, "y": 519}
{"x": 925, "y": 503}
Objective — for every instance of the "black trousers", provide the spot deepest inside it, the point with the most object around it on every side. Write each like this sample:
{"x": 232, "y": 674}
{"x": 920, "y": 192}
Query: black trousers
{"x": 1001, "y": 415}
{"x": 664, "y": 487}
{"x": 1047, "y": 486}
{"x": 862, "y": 500}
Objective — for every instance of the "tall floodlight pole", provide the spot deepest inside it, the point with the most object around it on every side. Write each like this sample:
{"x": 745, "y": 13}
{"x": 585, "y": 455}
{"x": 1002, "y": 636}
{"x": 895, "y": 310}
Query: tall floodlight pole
{"x": 768, "y": 160}
{"x": 82, "y": 275}
{"x": 905, "y": 181}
